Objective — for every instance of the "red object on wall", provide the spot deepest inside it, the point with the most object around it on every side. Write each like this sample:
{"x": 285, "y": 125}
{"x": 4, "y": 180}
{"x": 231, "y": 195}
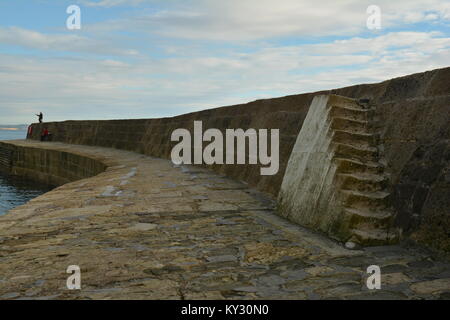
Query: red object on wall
{"x": 30, "y": 131}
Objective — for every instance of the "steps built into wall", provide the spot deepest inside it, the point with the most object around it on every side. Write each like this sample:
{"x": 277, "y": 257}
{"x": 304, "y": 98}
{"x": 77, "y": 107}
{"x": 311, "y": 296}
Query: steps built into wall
{"x": 335, "y": 180}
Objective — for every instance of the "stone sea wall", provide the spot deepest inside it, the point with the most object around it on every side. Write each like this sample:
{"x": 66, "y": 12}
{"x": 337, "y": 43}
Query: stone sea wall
{"x": 51, "y": 167}
{"x": 413, "y": 115}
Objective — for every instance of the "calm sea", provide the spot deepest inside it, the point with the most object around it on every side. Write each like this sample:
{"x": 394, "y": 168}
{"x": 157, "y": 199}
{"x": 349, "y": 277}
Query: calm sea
{"x": 12, "y": 135}
{"x": 15, "y": 191}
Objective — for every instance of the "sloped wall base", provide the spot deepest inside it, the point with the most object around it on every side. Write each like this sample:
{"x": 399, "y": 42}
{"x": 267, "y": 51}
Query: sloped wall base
{"x": 335, "y": 180}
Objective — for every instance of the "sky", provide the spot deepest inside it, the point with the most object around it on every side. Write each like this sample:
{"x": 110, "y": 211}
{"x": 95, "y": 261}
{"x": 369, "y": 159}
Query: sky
{"x": 153, "y": 58}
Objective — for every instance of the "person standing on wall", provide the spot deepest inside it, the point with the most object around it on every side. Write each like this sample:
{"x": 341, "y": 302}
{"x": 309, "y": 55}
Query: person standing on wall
{"x": 40, "y": 116}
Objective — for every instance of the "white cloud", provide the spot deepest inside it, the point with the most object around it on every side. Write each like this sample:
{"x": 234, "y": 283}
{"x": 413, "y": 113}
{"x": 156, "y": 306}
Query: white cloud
{"x": 110, "y": 3}
{"x": 244, "y": 20}
{"x": 59, "y": 42}
{"x": 229, "y": 56}
{"x": 69, "y": 88}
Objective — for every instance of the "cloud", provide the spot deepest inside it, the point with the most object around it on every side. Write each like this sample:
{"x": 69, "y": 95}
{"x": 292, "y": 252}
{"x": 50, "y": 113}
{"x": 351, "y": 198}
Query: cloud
{"x": 74, "y": 88}
{"x": 59, "y": 42}
{"x": 249, "y": 20}
{"x": 110, "y": 3}
{"x": 182, "y": 56}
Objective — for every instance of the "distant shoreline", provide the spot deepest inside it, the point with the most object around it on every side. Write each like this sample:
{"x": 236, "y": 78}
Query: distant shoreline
{"x": 13, "y": 127}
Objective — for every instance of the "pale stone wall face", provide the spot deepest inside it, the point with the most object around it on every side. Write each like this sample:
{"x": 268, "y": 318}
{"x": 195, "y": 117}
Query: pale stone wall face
{"x": 307, "y": 190}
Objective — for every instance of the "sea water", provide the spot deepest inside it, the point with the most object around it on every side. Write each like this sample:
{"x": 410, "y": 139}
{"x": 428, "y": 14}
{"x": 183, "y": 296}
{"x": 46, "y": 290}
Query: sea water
{"x": 15, "y": 191}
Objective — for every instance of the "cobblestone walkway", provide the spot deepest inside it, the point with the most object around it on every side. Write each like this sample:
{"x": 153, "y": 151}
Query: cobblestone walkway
{"x": 145, "y": 229}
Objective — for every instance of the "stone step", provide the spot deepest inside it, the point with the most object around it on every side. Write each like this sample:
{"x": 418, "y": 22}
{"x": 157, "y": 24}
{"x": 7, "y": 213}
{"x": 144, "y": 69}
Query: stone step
{"x": 361, "y": 199}
{"x": 345, "y": 165}
{"x": 363, "y": 216}
{"x": 363, "y": 181}
{"x": 361, "y": 152}
{"x": 357, "y": 138}
{"x": 349, "y": 124}
{"x": 360, "y": 174}
{"x": 343, "y": 100}
{"x": 355, "y": 113}
{"x": 374, "y": 237}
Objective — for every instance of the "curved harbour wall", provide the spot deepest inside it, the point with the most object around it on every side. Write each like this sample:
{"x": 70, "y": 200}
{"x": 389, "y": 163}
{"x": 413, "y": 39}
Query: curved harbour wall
{"x": 51, "y": 167}
{"x": 412, "y": 115}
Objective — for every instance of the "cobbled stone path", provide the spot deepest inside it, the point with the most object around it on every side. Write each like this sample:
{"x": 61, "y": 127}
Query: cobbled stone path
{"x": 146, "y": 229}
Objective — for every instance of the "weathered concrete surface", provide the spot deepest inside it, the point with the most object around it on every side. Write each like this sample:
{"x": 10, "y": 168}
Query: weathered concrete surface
{"x": 335, "y": 180}
{"x": 144, "y": 229}
{"x": 413, "y": 114}
{"x": 308, "y": 194}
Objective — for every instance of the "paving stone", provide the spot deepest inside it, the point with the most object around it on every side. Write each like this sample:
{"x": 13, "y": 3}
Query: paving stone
{"x": 144, "y": 226}
{"x": 341, "y": 290}
{"x": 431, "y": 287}
{"x": 445, "y": 295}
{"x": 421, "y": 264}
{"x": 246, "y": 289}
{"x": 10, "y": 295}
{"x": 315, "y": 271}
{"x": 393, "y": 268}
{"x": 290, "y": 264}
{"x": 224, "y": 258}
{"x": 225, "y": 222}
{"x": 378, "y": 295}
{"x": 395, "y": 250}
{"x": 394, "y": 278}
{"x": 269, "y": 281}
{"x": 294, "y": 274}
